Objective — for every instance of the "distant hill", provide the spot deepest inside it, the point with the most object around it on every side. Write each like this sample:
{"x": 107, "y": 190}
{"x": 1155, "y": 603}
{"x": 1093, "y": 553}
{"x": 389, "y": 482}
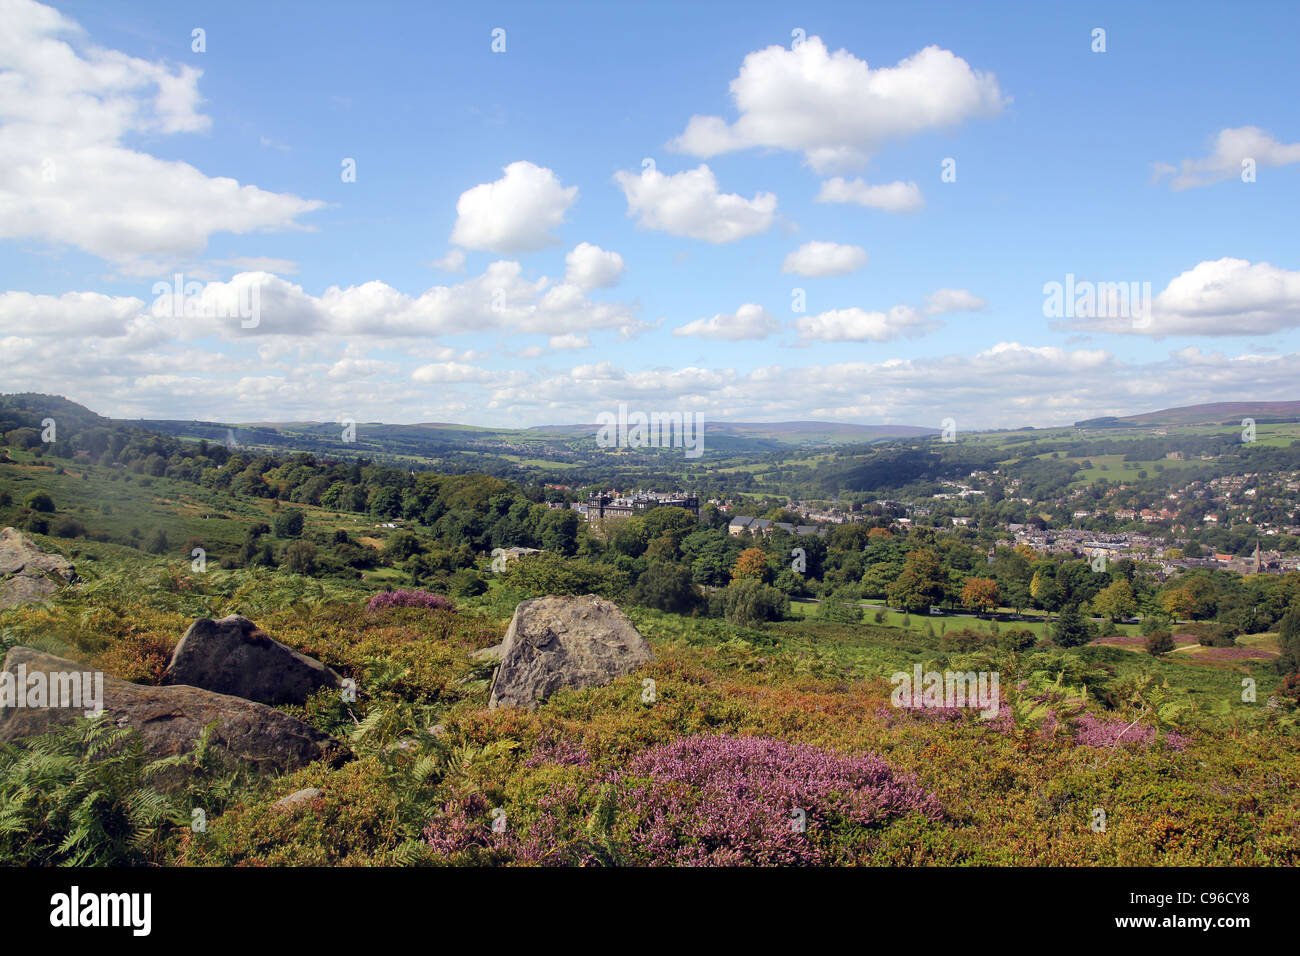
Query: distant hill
{"x": 793, "y": 433}
{"x": 1214, "y": 413}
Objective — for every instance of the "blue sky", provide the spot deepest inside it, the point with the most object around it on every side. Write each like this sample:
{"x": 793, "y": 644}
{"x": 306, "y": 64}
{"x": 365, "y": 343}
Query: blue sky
{"x": 582, "y": 279}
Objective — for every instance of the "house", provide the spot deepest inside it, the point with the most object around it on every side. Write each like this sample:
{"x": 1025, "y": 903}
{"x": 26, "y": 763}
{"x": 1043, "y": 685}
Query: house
{"x": 738, "y": 524}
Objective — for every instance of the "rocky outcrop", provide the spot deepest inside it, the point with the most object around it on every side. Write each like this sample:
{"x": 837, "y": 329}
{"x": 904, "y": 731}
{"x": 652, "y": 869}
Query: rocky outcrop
{"x": 231, "y": 656}
{"x": 171, "y": 720}
{"x": 555, "y": 643}
{"x": 26, "y": 572}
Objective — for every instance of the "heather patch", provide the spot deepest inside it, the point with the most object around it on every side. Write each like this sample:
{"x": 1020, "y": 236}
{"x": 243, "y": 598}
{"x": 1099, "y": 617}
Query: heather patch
{"x": 716, "y": 800}
{"x": 409, "y": 598}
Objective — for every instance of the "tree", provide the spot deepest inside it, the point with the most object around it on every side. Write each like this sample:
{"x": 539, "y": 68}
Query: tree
{"x": 980, "y": 594}
{"x": 400, "y": 546}
{"x": 920, "y": 584}
{"x": 667, "y": 587}
{"x": 747, "y": 602}
{"x": 836, "y": 607}
{"x": 1116, "y": 601}
{"x": 288, "y": 523}
{"x": 1070, "y": 629}
{"x": 384, "y": 503}
{"x": 558, "y": 531}
{"x": 1177, "y": 603}
{"x": 1044, "y": 592}
{"x": 1288, "y": 639}
{"x": 752, "y": 563}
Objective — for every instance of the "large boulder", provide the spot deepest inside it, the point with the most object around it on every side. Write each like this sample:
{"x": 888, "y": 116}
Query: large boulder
{"x": 231, "y": 656}
{"x": 26, "y": 572}
{"x": 564, "y": 642}
{"x": 171, "y": 720}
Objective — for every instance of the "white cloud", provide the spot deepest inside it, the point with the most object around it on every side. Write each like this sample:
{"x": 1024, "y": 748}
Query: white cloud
{"x": 569, "y": 341}
{"x": 65, "y": 176}
{"x": 443, "y": 373}
{"x": 500, "y": 298}
{"x": 591, "y": 267}
{"x": 860, "y": 325}
{"x": 71, "y": 314}
{"x": 825, "y": 259}
{"x": 897, "y": 196}
{"x": 835, "y": 109}
{"x": 514, "y": 214}
{"x": 953, "y": 300}
{"x": 259, "y": 264}
{"x": 453, "y": 261}
{"x": 1229, "y": 148}
{"x": 748, "y": 322}
{"x": 1216, "y": 297}
{"x": 689, "y": 204}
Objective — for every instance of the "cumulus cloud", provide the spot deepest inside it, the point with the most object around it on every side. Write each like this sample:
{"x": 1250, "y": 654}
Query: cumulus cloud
{"x": 500, "y": 298}
{"x": 825, "y": 259}
{"x": 1229, "y": 149}
{"x": 902, "y": 321}
{"x": 570, "y": 341}
{"x": 591, "y": 267}
{"x": 67, "y": 178}
{"x": 70, "y": 314}
{"x": 748, "y": 322}
{"x": 897, "y": 196}
{"x": 448, "y": 372}
{"x": 453, "y": 261}
{"x": 953, "y": 300}
{"x": 689, "y": 204}
{"x": 837, "y": 110}
{"x": 1216, "y": 297}
{"x": 1007, "y": 384}
{"x": 516, "y": 213}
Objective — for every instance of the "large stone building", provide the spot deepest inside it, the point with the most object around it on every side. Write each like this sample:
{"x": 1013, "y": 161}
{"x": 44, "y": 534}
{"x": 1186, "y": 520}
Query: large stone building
{"x": 600, "y": 509}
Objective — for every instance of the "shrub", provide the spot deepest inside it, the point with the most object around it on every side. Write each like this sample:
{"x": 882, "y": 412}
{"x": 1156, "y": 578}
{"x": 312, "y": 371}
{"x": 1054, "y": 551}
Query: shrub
{"x": 300, "y": 557}
{"x": 1159, "y": 642}
{"x": 68, "y": 528}
{"x": 405, "y": 598}
{"x": 156, "y": 543}
{"x": 467, "y": 582}
{"x": 39, "y": 501}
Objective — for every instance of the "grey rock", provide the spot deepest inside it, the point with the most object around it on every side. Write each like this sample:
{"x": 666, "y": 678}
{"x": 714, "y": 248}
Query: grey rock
{"x": 171, "y": 720}
{"x": 555, "y": 643}
{"x": 232, "y": 656}
{"x": 27, "y": 573}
